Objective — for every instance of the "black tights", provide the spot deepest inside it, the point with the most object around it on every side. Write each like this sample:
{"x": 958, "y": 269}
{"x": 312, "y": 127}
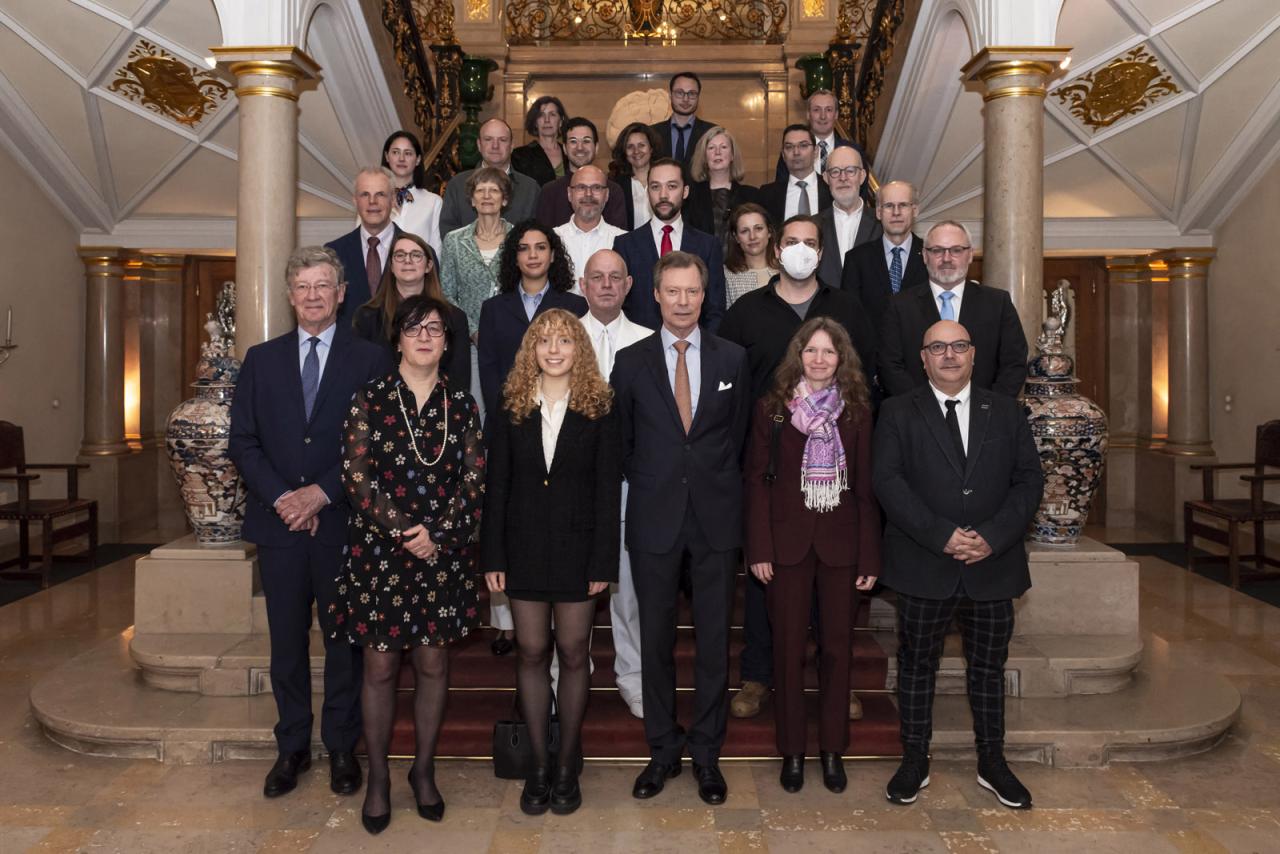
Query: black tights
{"x": 533, "y": 677}
{"x": 378, "y": 705}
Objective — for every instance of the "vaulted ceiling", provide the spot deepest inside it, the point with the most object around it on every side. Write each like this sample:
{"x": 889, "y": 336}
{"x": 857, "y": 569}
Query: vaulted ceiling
{"x": 1168, "y": 112}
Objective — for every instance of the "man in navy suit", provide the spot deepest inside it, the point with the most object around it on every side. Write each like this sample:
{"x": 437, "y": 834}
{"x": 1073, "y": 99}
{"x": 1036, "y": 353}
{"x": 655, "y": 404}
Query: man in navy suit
{"x": 683, "y": 398}
{"x": 801, "y": 190}
{"x": 364, "y": 252}
{"x": 286, "y": 440}
{"x": 876, "y": 270}
{"x": 665, "y": 232}
{"x": 822, "y": 121}
{"x": 680, "y": 132}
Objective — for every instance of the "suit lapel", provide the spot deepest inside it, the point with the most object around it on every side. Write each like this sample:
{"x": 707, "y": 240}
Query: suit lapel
{"x": 567, "y": 442}
{"x": 928, "y": 305}
{"x": 928, "y": 406}
{"x": 979, "y": 420}
{"x": 657, "y": 360}
{"x": 291, "y": 352}
{"x": 971, "y": 305}
{"x": 332, "y": 366}
{"x": 708, "y": 382}
{"x": 515, "y": 305}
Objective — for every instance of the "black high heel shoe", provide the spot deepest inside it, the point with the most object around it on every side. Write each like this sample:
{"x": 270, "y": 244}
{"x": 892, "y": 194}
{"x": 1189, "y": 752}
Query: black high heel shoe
{"x": 501, "y": 645}
{"x": 431, "y": 812}
{"x": 375, "y": 824}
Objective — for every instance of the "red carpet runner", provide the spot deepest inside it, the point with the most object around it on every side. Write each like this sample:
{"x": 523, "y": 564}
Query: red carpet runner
{"x": 483, "y": 691}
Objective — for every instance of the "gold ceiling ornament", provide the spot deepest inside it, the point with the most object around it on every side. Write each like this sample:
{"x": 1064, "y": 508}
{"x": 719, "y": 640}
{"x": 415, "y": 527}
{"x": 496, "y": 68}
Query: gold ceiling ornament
{"x": 534, "y": 21}
{"x": 435, "y": 21}
{"x": 164, "y": 84}
{"x": 1125, "y": 86}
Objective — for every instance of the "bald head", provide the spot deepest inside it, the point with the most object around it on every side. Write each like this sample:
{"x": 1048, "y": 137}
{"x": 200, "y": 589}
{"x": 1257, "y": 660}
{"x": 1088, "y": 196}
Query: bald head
{"x": 605, "y": 284}
{"x": 588, "y": 193}
{"x": 949, "y": 371}
{"x": 896, "y": 209}
{"x": 495, "y": 144}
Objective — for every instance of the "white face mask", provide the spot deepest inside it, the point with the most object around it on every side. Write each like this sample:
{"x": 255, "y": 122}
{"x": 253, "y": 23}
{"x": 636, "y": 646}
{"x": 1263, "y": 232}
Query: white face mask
{"x": 799, "y": 260}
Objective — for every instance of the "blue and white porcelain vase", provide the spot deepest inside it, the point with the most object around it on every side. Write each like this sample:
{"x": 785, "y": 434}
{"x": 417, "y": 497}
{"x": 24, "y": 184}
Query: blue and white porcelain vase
{"x": 1071, "y": 434}
{"x": 197, "y": 436}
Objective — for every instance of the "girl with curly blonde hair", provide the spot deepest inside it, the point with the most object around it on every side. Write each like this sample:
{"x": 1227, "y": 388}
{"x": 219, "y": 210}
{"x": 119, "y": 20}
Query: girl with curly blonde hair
{"x": 550, "y": 535}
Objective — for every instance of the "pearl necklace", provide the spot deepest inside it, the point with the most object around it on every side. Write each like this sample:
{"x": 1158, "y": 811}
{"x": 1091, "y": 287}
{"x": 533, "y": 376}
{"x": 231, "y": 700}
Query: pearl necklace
{"x": 413, "y": 437}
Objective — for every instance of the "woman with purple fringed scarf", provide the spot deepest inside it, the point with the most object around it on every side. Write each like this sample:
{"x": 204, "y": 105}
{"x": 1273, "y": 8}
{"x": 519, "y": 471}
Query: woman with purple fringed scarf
{"x": 813, "y": 524}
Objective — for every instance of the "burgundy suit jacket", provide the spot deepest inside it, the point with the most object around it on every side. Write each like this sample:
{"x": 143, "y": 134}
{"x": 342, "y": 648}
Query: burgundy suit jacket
{"x": 780, "y": 529}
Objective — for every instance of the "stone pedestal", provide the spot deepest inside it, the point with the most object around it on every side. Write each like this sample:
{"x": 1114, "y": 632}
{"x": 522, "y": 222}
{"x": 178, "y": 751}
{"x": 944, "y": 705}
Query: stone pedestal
{"x": 186, "y": 588}
{"x": 1085, "y": 589}
{"x": 1165, "y": 482}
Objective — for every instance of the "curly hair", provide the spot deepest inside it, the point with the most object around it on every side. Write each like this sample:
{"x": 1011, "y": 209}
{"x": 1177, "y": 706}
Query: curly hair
{"x": 849, "y": 378}
{"x": 619, "y": 166}
{"x": 589, "y": 393}
{"x": 560, "y": 274}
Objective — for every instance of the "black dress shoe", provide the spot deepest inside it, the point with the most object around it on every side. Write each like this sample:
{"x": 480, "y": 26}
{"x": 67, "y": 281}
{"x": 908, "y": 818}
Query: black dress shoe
{"x": 711, "y": 785}
{"x": 566, "y": 796}
{"x": 994, "y": 776}
{"x": 792, "y": 776}
{"x": 501, "y": 645}
{"x": 283, "y": 776}
{"x": 431, "y": 812}
{"x": 344, "y": 773}
{"x": 536, "y": 796}
{"x": 652, "y": 779}
{"x": 833, "y": 776}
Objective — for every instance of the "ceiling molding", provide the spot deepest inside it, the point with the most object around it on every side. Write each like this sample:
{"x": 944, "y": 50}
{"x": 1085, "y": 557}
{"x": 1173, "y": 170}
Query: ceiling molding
{"x": 1187, "y": 153}
{"x": 101, "y": 153}
{"x": 41, "y": 48}
{"x": 1102, "y": 235}
{"x": 323, "y": 159}
{"x": 106, "y": 12}
{"x": 166, "y": 171}
{"x": 208, "y": 234}
{"x": 1208, "y": 203}
{"x": 1241, "y": 52}
{"x": 1243, "y": 183}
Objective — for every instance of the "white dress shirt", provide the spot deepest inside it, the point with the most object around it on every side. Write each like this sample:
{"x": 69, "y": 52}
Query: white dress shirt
{"x": 639, "y": 202}
{"x": 384, "y": 244}
{"x": 889, "y": 246}
{"x": 581, "y": 245}
{"x": 552, "y": 420}
{"x": 322, "y": 349}
{"x": 847, "y": 225}
{"x": 793, "y": 193}
{"x": 692, "y": 361}
{"x": 958, "y": 290}
{"x": 677, "y": 232}
{"x": 962, "y": 411}
{"x": 604, "y": 340}
{"x": 421, "y": 217}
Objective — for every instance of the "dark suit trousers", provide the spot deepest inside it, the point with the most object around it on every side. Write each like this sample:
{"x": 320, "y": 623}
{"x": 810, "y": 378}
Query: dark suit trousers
{"x": 293, "y": 577}
{"x": 790, "y": 596}
{"x": 985, "y": 628}
{"x": 657, "y": 583}
{"x": 757, "y": 657}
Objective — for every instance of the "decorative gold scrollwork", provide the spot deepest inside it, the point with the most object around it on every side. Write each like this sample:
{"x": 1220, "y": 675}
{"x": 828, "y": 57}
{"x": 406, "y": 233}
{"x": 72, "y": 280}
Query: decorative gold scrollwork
{"x": 853, "y": 20}
{"x": 435, "y": 21}
{"x": 533, "y": 21}
{"x": 876, "y": 59}
{"x": 1123, "y": 87}
{"x": 166, "y": 85}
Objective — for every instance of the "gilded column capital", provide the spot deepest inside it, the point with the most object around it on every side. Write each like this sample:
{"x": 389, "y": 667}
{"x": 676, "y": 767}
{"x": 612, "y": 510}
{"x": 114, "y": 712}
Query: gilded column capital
{"x": 1128, "y": 270}
{"x": 1015, "y": 71}
{"x": 105, "y": 262}
{"x": 271, "y": 70}
{"x": 1185, "y": 263}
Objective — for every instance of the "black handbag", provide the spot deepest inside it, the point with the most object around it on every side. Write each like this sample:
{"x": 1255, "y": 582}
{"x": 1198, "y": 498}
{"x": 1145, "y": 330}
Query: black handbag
{"x": 513, "y": 757}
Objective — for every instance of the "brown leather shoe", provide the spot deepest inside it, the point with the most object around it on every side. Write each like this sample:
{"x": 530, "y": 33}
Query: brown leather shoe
{"x": 855, "y": 707}
{"x": 746, "y": 703}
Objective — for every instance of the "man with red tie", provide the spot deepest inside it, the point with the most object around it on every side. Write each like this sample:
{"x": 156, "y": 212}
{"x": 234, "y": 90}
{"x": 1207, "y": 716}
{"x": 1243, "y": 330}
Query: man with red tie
{"x": 664, "y": 233}
{"x": 364, "y": 252}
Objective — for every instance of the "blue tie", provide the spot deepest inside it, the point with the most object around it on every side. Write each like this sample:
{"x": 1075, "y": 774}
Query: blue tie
{"x": 948, "y": 313}
{"x": 895, "y": 270}
{"x": 310, "y": 376}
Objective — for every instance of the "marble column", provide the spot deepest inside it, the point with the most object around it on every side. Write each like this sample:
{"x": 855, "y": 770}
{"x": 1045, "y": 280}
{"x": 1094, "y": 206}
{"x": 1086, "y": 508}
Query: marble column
{"x": 268, "y": 81}
{"x": 1127, "y": 276}
{"x": 105, "y": 271}
{"x": 162, "y": 387}
{"x": 1188, "y": 274}
{"x": 1014, "y": 81}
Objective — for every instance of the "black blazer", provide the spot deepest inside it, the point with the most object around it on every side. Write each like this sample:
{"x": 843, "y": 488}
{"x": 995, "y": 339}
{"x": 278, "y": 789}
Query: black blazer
{"x": 277, "y": 449}
{"x": 552, "y": 531}
{"x": 665, "y": 469}
{"x": 351, "y": 252}
{"x": 773, "y": 198}
{"x": 554, "y": 208}
{"x": 780, "y": 170}
{"x": 640, "y": 253}
{"x": 1000, "y": 360}
{"x": 531, "y": 160}
{"x": 698, "y": 210}
{"x": 866, "y": 273}
{"x": 831, "y": 265}
{"x": 502, "y": 327}
{"x": 926, "y": 493}
{"x": 663, "y": 130}
{"x": 456, "y": 365}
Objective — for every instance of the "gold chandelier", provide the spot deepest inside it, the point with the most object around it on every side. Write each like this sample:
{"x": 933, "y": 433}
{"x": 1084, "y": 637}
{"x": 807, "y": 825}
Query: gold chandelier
{"x": 664, "y": 21}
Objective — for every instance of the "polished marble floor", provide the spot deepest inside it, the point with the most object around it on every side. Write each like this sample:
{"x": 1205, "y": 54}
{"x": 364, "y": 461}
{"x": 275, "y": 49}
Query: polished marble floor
{"x": 1227, "y": 800}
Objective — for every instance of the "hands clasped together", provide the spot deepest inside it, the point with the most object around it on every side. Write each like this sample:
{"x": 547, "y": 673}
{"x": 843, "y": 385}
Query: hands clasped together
{"x": 967, "y": 545}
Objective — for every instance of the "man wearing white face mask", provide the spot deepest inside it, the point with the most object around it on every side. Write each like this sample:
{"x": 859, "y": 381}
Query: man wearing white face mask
{"x": 763, "y": 322}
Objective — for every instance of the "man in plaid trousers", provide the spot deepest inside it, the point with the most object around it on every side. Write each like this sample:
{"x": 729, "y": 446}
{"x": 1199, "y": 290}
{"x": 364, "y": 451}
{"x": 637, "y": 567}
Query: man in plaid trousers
{"x": 958, "y": 475}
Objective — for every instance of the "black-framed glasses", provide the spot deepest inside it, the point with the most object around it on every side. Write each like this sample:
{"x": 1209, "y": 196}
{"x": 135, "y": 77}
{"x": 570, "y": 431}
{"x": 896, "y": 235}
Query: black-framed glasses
{"x": 937, "y": 348}
{"x": 953, "y": 251}
{"x": 415, "y": 256}
{"x": 433, "y": 328}
{"x": 797, "y": 146}
{"x": 846, "y": 172}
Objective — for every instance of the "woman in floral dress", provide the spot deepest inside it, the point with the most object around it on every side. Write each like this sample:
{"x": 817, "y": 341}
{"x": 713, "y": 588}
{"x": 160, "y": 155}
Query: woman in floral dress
{"x": 414, "y": 474}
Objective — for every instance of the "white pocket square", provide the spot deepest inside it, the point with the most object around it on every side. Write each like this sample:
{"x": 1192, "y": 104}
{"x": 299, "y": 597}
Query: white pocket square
{"x": 725, "y": 386}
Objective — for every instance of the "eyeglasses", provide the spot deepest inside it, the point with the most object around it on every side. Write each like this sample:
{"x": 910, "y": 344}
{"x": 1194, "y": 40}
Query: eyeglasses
{"x": 685, "y": 93}
{"x": 846, "y": 172}
{"x": 415, "y": 256}
{"x": 320, "y": 288}
{"x": 953, "y": 251}
{"x": 937, "y": 348}
{"x": 588, "y": 188}
{"x": 796, "y": 146}
{"x": 894, "y": 207}
{"x": 433, "y": 328}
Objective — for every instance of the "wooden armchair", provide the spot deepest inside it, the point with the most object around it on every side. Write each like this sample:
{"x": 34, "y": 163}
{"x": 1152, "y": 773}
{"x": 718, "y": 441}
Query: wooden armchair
{"x": 1237, "y": 511}
{"x": 43, "y": 510}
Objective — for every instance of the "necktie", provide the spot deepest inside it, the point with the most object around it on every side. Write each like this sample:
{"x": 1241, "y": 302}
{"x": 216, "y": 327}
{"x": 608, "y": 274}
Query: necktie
{"x": 803, "y": 207}
{"x": 604, "y": 354}
{"x": 373, "y": 266}
{"x": 403, "y": 194}
{"x": 310, "y": 376}
{"x": 953, "y": 427}
{"x": 948, "y": 312}
{"x": 666, "y": 240}
{"x": 684, "y": 393}
{"x": 681, "y": 144}
{"x": 822, "y": 150}
{"x": 895, "y": 270}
